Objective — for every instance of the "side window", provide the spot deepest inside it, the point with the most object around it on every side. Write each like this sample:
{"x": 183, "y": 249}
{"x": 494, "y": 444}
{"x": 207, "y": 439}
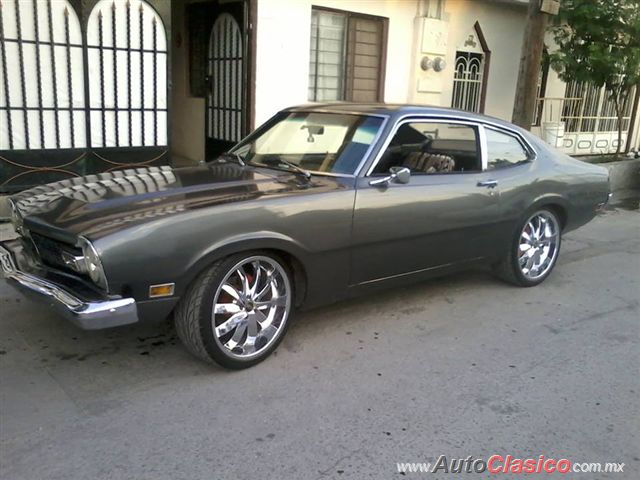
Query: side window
{"x": 431, "y": 148}
{"x": 504, "y": 150}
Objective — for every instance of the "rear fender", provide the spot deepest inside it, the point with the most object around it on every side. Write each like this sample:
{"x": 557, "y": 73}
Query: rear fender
{"x": 547, "y": 200}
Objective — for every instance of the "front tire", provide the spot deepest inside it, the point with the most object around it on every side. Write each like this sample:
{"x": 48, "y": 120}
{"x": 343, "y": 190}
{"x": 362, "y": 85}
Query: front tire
{"x": 534, "y": 250}
{"x": 237, "y": 311}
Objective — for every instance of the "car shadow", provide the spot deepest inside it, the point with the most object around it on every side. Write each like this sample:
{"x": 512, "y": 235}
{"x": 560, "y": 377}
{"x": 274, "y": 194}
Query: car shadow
{"x": 97, "y": 368}
{"x": 53, "y": 340}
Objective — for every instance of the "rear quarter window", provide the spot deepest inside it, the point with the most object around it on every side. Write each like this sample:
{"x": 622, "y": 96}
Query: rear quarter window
{"x": 504, "y": 150}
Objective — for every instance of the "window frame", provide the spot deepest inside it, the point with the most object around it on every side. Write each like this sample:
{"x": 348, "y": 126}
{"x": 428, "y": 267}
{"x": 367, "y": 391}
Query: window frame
{"x": 530, "y": 152}
{"x": 384, "y": 21}
{"x": 474, "y": 125}
{"x": 365, "y": 158}
{"x": 481, "y": 125}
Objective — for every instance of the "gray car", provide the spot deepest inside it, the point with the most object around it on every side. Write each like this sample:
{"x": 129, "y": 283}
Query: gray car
{"x": 319, "y": 204}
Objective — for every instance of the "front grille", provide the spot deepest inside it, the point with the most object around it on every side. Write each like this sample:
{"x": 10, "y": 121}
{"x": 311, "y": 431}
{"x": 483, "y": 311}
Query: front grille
{"x": 50, "y": 251}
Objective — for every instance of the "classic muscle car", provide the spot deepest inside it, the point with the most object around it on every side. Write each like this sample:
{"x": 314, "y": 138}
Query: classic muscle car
{"x": 321, "y": 203}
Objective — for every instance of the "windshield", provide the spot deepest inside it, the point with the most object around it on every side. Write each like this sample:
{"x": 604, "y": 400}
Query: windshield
{"x": 318, "y": 142}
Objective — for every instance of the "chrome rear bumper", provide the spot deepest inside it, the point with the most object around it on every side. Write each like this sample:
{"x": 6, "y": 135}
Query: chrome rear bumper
{"x": 603, "y": 205}
{"x": 88, "y": 315}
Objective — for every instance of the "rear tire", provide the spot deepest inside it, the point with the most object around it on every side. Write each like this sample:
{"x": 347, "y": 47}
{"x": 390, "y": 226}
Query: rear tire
{"x": 533, "y": 251}
{"x": 237, "y": 311}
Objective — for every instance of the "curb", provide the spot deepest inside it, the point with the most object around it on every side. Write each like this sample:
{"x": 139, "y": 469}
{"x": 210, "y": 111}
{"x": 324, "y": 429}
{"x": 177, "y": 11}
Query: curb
{"x": 623, "y": 175}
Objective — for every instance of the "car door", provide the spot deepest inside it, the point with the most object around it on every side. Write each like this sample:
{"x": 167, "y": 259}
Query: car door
{"x": 436, "y": 219}
{"x": 510, "y": 163}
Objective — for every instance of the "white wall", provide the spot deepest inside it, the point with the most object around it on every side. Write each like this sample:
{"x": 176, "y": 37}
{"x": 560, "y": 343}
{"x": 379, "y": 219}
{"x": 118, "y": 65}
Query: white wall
{"x": 283, "y": 36}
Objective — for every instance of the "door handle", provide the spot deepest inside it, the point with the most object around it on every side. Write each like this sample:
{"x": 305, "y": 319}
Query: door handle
{"x": 487, "y": 183}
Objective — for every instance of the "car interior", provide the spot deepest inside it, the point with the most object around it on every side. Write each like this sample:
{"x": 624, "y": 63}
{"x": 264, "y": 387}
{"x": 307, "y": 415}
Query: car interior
{"x": 432, "y": 148}
{"x": 319, "y": 142}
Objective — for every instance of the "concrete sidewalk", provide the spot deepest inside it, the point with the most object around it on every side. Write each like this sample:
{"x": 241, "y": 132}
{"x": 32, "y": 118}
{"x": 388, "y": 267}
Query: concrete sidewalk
{"x": 459, "y": 366}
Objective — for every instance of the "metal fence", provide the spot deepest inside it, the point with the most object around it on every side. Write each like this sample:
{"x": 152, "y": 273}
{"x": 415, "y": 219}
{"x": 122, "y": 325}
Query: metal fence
{"x": 588, "y": 108}
{"x": 126, "y": 50}
{"x": 83, "y": 88}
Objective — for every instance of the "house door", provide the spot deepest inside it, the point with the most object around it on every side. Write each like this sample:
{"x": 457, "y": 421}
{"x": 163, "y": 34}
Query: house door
{"x": 225, "y": 102}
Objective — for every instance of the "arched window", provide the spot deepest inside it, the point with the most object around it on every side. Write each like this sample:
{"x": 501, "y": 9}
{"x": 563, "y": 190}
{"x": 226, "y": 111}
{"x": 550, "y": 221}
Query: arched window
{"x": 127, "y": 62}
{"x": 470, "y": 72}
{"x": 42, "y": 104}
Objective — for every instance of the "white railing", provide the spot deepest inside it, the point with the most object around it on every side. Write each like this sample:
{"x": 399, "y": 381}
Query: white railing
{"x": 580, "y": 125}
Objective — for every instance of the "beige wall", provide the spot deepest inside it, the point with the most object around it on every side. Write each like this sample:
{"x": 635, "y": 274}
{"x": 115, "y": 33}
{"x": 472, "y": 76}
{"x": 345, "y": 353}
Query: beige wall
{"x": 283, "y": 50}
{"x": 282, "y": 63}
{"x": 503, "y": 28}
{"x": 282, "y": 58}
{"x": 187, "y": 118}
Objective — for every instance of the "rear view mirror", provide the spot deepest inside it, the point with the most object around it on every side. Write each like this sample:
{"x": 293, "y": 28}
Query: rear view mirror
{"x": 313, "y": 130}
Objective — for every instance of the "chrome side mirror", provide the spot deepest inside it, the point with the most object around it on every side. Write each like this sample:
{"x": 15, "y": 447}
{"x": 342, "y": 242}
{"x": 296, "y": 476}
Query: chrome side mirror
{"x": 397, "y": 175}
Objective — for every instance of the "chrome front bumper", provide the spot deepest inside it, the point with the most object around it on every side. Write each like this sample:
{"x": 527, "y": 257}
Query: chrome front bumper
{"x": 88, "y": 315}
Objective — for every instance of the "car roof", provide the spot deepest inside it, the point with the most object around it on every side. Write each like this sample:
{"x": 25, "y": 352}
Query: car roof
{"x": 395, "y": 110}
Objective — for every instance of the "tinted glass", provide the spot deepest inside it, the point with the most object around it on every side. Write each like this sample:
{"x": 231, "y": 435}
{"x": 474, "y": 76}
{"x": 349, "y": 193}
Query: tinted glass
{"x": 504, "y": 150}
{"x": 320, "y": 142}
{"x": 432, "y": 147}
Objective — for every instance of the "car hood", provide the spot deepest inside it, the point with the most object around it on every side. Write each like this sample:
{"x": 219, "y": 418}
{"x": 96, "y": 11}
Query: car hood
{"x": 97, "y": 205}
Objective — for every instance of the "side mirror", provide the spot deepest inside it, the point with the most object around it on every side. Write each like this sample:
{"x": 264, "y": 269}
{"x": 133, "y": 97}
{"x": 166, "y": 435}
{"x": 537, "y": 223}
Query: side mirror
{"x": 397, "y": 175}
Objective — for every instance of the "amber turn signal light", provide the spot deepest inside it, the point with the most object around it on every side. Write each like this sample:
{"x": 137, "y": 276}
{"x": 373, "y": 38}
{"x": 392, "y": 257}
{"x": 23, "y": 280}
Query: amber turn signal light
{"x": 162, "y": 290}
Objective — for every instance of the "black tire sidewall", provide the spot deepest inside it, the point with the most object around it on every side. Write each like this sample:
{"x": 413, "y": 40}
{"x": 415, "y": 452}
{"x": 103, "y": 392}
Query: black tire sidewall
{"x": 214, "y": 350}
{"x": 515, "y": 245}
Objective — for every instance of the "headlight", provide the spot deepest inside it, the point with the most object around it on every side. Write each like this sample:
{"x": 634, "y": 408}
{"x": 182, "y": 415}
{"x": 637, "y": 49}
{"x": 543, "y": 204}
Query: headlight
{"x": 93, "y": 264}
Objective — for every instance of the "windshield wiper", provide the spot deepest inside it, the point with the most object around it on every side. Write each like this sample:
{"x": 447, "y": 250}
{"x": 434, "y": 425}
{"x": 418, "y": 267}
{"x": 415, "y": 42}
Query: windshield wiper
{"x": 291, "y": 165}
{"x": 236, "y": 156}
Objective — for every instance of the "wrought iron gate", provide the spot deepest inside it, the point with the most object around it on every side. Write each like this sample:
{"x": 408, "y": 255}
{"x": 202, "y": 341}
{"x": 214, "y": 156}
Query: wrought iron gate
{"x": 467, "y": 81}
{"x": 83, "y": 88}
{"x": 225, "y": 99}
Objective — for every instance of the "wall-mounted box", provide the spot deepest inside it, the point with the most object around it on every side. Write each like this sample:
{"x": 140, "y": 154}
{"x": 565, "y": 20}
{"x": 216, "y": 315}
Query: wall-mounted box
{"x": 434, "y": 36}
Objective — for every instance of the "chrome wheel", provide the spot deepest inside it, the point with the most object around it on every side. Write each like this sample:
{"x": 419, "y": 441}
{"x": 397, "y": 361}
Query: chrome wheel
{"x": 538, "y": 245}
{"x": 251, "y": 307}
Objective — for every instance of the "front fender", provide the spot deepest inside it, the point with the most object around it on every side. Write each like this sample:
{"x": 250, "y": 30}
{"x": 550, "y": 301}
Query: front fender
{"x": 264, "y": 240}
